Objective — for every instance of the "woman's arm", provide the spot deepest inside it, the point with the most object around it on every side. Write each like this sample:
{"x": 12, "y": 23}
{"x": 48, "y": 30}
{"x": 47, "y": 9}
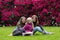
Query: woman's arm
{"x": 32, "y": 25}
{"x": 18, "y": 24}
{"x": 25, "y": 25}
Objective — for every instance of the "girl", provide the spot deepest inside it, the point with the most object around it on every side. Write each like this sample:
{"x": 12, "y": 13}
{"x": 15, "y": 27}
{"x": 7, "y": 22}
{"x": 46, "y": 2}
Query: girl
{"x": 37, "y": 27}
{"x": 19, "y": 28}
{"x": 29, "y": 25}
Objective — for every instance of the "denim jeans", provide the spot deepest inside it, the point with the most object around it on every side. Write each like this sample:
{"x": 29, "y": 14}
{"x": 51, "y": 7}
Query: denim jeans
{"x": 37, "y": 28}
{"x": 17, "y": 31}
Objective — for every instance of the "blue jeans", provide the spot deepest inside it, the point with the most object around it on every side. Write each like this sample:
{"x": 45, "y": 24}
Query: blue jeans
{"x": 37, "y": 28}
{"x": 18, "y": 31}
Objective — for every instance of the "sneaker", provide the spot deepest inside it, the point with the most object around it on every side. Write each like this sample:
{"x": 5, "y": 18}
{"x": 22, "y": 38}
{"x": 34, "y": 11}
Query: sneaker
{"x": 49, "y": 33}
{"x": 10, "y": 35}
{"x": 45, "y": 32}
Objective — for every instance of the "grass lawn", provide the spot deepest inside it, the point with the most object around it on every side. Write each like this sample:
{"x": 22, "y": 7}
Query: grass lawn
{"x": 5, "y": 31}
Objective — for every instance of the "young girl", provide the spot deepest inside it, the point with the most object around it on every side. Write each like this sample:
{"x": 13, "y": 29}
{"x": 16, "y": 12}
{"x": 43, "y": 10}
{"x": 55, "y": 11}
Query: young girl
{"x": 19, "y": 29}
{"x": 29, "y": 25}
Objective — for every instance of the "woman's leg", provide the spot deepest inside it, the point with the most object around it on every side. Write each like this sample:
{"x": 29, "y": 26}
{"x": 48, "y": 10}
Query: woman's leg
{"x": 41, "y": 27}
{"x": 38, "y": 29}
{"x": 34, "y": 30}
{"x": 42, "y": 31}
{"x": 17, "y": 31}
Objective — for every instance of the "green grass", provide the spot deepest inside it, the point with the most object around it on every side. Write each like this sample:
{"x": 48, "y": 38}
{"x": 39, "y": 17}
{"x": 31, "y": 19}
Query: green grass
{"x": 5, "y": 31}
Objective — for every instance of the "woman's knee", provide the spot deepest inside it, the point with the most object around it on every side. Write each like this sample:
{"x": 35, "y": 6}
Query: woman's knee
{"x": 39, "y": 29}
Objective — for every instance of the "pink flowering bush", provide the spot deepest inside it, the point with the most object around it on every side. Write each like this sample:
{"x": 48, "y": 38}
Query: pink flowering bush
{"x": 45, "y": 9}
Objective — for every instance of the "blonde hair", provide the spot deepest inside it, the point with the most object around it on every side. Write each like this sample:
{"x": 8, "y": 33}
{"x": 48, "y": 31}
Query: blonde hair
{"x": 28, "y": 20}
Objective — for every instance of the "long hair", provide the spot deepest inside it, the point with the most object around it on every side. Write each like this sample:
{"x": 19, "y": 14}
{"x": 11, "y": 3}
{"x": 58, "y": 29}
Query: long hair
{"x": 37, "y": 21}
{"x": 20, "y": 23}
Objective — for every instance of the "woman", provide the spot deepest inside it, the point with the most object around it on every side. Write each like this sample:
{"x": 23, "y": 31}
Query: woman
{"x": 20, "y": 25}
{"x": 37, "y": 27}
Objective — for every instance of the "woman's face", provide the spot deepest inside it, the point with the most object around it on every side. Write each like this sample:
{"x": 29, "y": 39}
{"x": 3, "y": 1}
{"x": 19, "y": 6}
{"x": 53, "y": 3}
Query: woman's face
{"x": 34, "y": 18}
{"x": 23, "y": 20}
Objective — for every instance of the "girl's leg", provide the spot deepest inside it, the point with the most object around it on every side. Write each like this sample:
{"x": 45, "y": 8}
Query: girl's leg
{"x": 16, "y": 32}
{"x": 41, "y": 27}
{"x": 38, "y": 29}
{"x": 42, "y": 31}
{"x": 34, "y": 30}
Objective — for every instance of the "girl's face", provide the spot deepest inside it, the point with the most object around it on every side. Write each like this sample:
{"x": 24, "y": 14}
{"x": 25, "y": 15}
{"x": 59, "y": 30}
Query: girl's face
{"x": 34, "y": 18}
{"x": 29, "y": 20}
{"x": 23, "y": 20}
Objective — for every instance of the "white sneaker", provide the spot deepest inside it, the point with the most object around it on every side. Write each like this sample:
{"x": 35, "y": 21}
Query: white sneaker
{"x": 49, "y": 33}
{"x": 10, "y": 35}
